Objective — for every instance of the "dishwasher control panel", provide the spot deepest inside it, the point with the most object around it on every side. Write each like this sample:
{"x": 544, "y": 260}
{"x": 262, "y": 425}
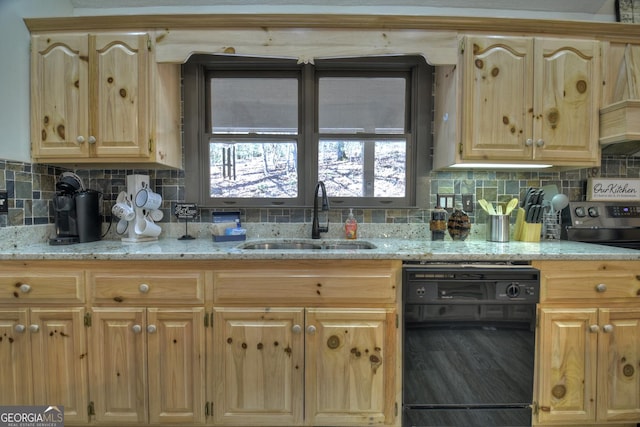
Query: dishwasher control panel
{"x": 444, "y": 286}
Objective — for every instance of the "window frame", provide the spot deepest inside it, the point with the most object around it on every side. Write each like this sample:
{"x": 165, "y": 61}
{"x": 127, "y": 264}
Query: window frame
{"x": 419, "y": 98}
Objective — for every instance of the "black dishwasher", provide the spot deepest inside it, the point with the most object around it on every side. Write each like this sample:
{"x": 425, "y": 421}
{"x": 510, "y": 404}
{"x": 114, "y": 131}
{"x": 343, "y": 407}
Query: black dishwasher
{"x": 469, "y": 339}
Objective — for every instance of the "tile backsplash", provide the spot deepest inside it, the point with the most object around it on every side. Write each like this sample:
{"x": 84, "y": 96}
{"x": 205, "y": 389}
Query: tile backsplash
{"x": 30, "y": 188}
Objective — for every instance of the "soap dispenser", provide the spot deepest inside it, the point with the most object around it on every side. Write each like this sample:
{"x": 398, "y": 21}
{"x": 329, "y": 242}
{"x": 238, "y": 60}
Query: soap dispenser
{"x": 351, "y": 226}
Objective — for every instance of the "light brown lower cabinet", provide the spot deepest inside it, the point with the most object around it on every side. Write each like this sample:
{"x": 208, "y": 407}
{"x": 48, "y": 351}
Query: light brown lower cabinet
{"x": 295, "y": 366}
{"x": 254, "y": 343}
{"x": 589, "y": 344}
{"x": 147, "y": 365}
{"x": 43, "y": 359}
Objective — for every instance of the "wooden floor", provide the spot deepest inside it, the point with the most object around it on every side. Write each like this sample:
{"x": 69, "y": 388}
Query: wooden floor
{"x": 468, "y": 366}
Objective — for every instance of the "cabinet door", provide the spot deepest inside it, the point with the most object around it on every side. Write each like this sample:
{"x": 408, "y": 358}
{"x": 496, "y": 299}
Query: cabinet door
{"x": 176, "y": 371}
{"x": 350, "y": 366}
{"x": 618, "y": 365}
{"x": 15, "y": 358}
{"x": 567, "y": 365}
{"x": 59, "y": 356}
{"x": 119, "y": 94}
{"x": 59, "y": 96}
{"x": 258, "y": 358}
{"x": 118, "y": 369}
{"x": 567, "y": 87}
{"x": 497, "y": 98}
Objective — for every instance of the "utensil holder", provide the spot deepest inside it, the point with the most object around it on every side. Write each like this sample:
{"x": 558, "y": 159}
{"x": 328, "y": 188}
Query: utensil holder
{"x": 551, "y": 230}
{"x": 498, "y": 228}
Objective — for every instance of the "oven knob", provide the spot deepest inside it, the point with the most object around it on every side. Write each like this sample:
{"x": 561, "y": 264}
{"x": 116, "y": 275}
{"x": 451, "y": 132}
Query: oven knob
{"x": 580, "y": 212}
{"x": 593, "y": 212}
{"x": 420, "y": 292}
{"x": 513, "y": 290}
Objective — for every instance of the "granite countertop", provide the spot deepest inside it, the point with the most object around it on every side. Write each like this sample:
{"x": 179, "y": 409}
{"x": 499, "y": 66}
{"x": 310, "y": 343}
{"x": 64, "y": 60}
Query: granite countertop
{"x": 405, "y": 247}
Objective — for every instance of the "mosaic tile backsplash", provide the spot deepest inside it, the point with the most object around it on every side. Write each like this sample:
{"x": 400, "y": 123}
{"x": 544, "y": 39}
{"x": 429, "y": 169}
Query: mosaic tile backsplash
{"x": 30, "y": 188}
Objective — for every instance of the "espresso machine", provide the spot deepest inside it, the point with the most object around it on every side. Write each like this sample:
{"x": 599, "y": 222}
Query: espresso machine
{"x": 76, "y": 212}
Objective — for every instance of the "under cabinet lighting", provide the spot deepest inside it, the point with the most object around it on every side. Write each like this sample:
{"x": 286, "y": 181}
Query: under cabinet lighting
{"x": 499, "y": 166}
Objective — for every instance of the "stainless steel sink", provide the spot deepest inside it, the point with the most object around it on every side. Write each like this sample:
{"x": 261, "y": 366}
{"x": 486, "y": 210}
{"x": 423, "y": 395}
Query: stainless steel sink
{"x": 306, "y": 245}
{"x": 348, "y": 245}
{"x": 279, "y": 245}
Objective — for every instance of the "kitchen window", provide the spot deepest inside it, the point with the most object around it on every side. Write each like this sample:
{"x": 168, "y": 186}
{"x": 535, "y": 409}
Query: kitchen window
{"x": 261, "y": 132}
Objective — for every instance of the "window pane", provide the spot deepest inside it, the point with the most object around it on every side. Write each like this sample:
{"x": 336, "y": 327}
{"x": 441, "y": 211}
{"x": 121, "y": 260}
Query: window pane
{"x": 253, "y": 169}
{"x": 361, "y": 104}
{"x": 363, "y": 168}
{"x": 254, "y": 105}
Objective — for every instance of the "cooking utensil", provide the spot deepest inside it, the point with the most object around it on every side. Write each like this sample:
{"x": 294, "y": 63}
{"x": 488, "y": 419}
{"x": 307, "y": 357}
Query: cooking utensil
{"x": 549, "y": 191}
{"x": 511, "y": 205}
{"x": 559, "y": 202}
{"x": 488, "y": 207}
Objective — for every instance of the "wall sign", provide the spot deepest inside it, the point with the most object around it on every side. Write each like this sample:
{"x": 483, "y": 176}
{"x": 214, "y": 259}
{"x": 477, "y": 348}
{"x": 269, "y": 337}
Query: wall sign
{"x": 605, "y": 189}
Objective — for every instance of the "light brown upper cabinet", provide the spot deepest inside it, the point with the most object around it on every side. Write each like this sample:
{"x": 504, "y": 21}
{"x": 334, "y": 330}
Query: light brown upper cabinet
{"x": 519, "y": 100}
{"x": 99, "y": 99}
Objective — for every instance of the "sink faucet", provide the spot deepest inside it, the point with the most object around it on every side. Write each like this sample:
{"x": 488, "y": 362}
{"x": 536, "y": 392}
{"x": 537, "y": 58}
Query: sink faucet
{"x": 315, "y": 227}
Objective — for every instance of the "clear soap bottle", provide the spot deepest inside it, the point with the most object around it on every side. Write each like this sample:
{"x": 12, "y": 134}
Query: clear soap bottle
{"x": 351, "y": 226}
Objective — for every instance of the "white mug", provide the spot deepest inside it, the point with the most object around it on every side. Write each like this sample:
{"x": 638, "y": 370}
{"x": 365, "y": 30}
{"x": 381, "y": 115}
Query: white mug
{"x": 123, "y": 210}
{"x": 146, "y": 227}
{"x": 122, "y": 226}
{"x": 156, "y": 215}
{"x": 147, "y": 199}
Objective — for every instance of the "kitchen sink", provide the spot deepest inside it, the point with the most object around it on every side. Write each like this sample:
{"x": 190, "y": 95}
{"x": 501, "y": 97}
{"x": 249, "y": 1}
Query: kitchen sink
{"x": 279, "y": 245}
{"x": 348, "y": 245}
{"x": 306, "y": 245}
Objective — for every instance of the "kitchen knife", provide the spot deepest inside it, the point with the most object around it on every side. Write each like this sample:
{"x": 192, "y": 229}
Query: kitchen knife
{"x": 536, "y": 213}
{"x": 527, "y": 198}
{"x": 529, "y": 212}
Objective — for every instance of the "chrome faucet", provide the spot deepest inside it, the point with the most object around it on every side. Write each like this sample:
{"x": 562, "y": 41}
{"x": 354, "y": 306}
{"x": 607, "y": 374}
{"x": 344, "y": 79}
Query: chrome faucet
{"x": 315, "y": 227}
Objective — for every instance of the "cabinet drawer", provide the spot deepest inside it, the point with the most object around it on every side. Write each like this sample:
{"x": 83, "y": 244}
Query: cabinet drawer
{"x": 136, "y": 288}
{"x": 42, "y": 286}
{"x": 308, "y": 283}
{"x": 582, "y": 280}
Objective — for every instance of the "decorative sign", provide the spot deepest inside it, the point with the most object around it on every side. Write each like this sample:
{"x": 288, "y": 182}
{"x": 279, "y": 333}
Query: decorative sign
{"x": 605, "y": 189}
{"x": 186, "y": 210}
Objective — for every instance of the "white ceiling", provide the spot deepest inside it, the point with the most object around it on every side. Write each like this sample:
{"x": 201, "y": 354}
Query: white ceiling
{"x": 555, "y": 7}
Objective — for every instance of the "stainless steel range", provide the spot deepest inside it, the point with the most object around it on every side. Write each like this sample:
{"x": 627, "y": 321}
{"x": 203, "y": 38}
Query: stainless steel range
{"x": 605, "y": 223}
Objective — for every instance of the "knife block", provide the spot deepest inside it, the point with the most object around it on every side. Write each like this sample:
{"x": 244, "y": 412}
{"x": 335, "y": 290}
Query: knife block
{"x": 524, "y": 231}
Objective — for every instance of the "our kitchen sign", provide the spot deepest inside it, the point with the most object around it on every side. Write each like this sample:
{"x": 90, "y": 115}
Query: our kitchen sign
{"x": 604, "y": 189}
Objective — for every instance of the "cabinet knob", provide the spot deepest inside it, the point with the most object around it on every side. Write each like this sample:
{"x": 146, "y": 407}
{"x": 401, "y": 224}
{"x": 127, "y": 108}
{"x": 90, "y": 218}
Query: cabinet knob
{"x": 311, "y": 330}
{"x": 25, "y": 288}
{"x": 34, "y": 328}
{"x": 528, "y": 142}
{"x": 540, "y": 143}
{"x": 601, "y": 287}
{"x": 92, "y": 139}
{"x": 80, "y": 139}
{"x": 296, "y": 329}
{"x": 144, "y": 288}
{"x": 20, "y": 328}
{"x": 607, "y": 328}
{"x": 594, "y": 328}
{"x": 152, "y": 329}
{"x": 136, "y": 329}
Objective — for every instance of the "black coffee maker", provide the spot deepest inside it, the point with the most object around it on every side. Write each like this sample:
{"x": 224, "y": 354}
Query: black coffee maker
{"x": 76, "y": 212}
